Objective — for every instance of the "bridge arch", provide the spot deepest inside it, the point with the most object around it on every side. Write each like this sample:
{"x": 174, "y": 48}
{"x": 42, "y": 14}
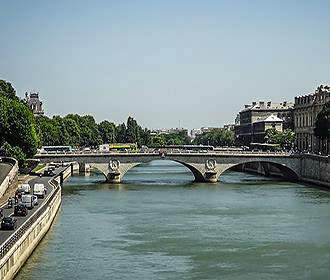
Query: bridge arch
{"x": 198, "y": 175}
{"x": 264, "y": 167}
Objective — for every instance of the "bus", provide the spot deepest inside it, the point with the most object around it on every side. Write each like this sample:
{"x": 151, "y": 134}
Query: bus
{"x": 123, "y": 147}
{"x": 265, "y": 147}
{"x": 55, "y": 149}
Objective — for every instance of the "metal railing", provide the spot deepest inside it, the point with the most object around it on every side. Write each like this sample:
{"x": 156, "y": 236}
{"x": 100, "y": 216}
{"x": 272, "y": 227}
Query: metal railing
{"x": 10, "y": 242}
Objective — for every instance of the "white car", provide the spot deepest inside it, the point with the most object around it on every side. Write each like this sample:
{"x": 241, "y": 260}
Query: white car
{"x": 39, "y": 190}
{"x": 28, "y": 201}
{"x": 26, "y": 188}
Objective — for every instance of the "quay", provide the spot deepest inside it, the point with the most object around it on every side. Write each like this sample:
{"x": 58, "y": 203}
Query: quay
{"x": 16, "y": 246}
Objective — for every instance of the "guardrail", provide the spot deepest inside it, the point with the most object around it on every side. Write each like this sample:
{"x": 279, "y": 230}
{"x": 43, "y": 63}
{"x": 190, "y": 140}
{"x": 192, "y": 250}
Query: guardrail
{"x": 10, "y": 242}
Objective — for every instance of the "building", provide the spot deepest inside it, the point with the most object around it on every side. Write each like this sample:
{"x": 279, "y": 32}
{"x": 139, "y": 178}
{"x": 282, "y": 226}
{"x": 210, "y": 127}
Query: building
{"x": 306, "y": 109}
{"x": 248, "y": 132}
{"x": 183, "y": 131}
{"x": 34, "y": 103}
{"x": 260, "y": 127}
{"x": 229, "y": 127}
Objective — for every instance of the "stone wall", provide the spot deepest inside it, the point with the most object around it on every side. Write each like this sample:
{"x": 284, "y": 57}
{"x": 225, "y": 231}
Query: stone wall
{"x": 315, "y": 169}
{"x": 13, "y": 258}
{"x": 12, "y": 175}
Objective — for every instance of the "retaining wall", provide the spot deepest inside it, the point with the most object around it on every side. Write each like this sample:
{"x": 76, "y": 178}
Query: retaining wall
{"x": 315, "y": 169}
{"x": 12, "y": 175}
{"x": 16, "y": 250}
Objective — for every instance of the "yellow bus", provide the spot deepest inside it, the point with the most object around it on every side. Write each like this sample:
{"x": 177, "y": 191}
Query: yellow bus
{"x": 123, "y": 147}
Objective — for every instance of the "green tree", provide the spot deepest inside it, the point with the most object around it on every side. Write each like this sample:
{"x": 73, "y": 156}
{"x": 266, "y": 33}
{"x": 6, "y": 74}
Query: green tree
{"x": 15, "y": 152}
{"x": 157, "y": 141}
{"x": 285, "y": 138}
{"x": 49, "y": 132}
{"x": 121, "y": 133}
{"x": 216, "y": 137}
{"x": 18, "y": 127}
{"x": 107, "y": 132}
{"x": 7, "y": 90}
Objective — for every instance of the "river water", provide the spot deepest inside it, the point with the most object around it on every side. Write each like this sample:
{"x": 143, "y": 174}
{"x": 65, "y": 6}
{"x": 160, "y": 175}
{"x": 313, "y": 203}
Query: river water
{"x": 160, "y": 225}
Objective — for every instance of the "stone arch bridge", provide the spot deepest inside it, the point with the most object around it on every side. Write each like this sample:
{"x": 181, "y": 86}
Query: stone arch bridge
{"x": 206, "y": 167}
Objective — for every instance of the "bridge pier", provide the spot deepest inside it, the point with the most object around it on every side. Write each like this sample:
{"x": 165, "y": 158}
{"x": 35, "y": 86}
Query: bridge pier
{"x": 113, "y": 178}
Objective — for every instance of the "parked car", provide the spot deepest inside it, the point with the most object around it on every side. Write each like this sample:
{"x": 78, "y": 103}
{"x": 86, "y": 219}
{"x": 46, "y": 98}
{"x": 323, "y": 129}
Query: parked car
{"x": 8, "y": 223}
{"x": 20, "y": 210}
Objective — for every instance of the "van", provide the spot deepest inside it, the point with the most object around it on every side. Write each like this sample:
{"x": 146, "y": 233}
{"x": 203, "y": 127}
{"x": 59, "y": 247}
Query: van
{"x": 27, "y": 200}
{"x": 26, "y": 188}
{"x": 39, "y": 190}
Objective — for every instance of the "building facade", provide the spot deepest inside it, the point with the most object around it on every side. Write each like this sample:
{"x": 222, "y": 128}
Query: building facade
{"x": 252, "y": 119}
{"x": 306, "y": 109}
{"x": 34, "y": 103}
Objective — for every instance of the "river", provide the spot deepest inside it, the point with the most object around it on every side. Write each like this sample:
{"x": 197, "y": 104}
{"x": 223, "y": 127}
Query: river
{"x": 160, "y": 225}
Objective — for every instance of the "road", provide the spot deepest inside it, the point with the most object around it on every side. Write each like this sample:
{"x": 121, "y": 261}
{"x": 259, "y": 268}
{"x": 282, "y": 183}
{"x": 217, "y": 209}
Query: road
{"x": 5, "y": 234}
{"x": 4, "y": 170}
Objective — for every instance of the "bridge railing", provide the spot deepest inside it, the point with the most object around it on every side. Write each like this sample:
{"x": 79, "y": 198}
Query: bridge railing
{"x": 96, "y": 152}
{"x": 11, "y": 241}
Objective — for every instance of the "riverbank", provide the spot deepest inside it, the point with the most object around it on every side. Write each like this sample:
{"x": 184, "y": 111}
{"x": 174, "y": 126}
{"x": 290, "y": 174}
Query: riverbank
{"x": 16, "y": 250}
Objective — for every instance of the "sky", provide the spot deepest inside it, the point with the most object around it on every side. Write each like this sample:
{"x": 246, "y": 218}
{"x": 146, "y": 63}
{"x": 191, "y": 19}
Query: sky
{"x": 166, "y": 63}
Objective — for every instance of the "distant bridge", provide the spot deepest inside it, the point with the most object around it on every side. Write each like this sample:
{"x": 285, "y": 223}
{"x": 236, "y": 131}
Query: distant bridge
{"x": 206, "y": 167}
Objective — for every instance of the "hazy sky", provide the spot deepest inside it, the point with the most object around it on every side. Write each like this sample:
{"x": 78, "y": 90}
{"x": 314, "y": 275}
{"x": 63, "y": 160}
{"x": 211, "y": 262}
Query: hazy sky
{"x": 164, "y": 62}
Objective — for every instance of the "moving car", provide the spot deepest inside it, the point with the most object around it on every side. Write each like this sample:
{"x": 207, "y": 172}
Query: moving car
{"x": 49, "y": 172}
{"x": 28, "y": 201}
{"x": 26, "y": 188}
{"x": 20, "y": 210}
{"x": 8, "y": 223}
{"x": 19, "y": 192}
{"x": 39, "y": 190}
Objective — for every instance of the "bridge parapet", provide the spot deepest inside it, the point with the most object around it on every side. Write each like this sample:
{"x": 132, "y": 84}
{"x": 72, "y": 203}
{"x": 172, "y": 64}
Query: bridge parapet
{"x": 206, "y": 167}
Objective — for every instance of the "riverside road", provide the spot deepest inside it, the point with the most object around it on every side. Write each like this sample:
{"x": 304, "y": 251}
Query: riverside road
{"x": 5, "y": 234}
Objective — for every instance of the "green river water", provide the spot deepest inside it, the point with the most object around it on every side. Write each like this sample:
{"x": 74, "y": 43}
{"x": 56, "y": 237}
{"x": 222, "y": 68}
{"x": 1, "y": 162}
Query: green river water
{"x": 158, "y": 224}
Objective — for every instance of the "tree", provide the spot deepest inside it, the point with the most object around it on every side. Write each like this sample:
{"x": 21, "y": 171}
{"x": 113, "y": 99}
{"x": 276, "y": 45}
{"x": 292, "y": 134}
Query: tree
{"x": 49, "y": 132}
{"x": 121, "y": 133}
{"x": 15, "y": 152}
{"x": 285, "y": 138}
{"x": 89, "y": 133}
{"x": 7, "y": 90}
{"x": 157, "y": 141}
{"x": 216, "y": 137}
{"x": 107, "y": 132}
{"x": 17, "y": 126}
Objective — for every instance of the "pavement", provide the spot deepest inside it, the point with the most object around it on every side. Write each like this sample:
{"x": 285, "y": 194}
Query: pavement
{"x": 5, "y": 234}
{"x": 4, "y": 170}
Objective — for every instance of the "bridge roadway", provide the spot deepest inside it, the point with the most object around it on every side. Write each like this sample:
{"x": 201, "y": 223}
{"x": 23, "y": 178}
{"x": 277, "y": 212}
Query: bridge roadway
{"x": 4, "y": 170}
{"x": 205, "y": 166}
{"x": 5, "y": 234}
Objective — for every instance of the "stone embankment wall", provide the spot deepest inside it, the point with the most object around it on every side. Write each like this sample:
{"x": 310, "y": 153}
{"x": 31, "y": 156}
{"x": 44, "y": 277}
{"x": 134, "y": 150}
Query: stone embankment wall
{"x": 315, "y": 169}
{"x": 28, "y": 236}
{"x": 12, "y": 175}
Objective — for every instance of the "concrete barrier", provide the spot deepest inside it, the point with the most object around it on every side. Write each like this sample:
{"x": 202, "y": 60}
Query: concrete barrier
{"x": 12, "y": 175}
